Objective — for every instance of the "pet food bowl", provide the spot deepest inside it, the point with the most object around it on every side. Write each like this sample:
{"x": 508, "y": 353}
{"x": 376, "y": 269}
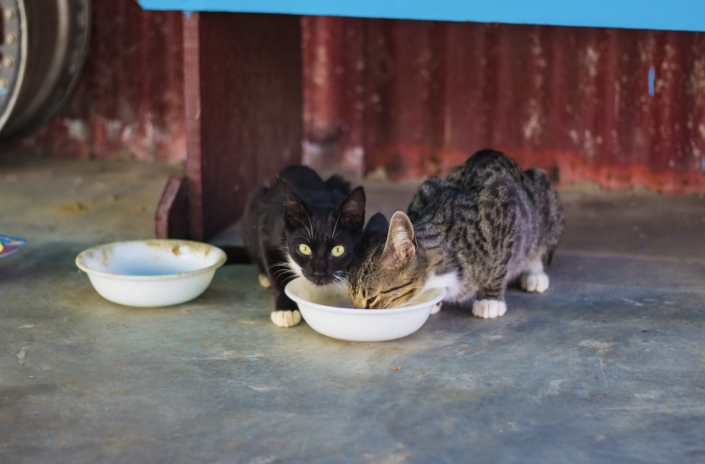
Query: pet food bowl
{"x": 329, "y": 310}
{"x": 149, "y": 273}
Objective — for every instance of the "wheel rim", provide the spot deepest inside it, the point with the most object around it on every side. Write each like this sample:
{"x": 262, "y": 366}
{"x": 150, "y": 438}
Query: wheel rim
{"x": 14, "y": 56}
{"x": 52, "y": 49}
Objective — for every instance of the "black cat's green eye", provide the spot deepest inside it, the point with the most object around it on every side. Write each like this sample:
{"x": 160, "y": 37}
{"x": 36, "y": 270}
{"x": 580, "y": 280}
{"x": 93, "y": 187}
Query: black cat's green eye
{"x": 338, "y": 251}
{"x": 304, "y": 249}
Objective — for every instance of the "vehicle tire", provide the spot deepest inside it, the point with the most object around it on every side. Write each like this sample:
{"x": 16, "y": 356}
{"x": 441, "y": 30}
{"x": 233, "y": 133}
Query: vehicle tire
{"x": 44, "y": 47}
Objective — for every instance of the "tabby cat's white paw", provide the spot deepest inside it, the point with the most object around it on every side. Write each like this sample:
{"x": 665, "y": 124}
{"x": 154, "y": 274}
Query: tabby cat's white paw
{"x": 264, "y": 281}
{"x": 436, "y": 307}
{"x": 534, "y": 282}
{"x": 286, "y": 318}
{"x": 489, "y": 309}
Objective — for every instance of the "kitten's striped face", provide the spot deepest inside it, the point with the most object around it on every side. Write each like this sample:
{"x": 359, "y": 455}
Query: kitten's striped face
{"x": 387, "y": 289}
{"x": 385, "y": 274}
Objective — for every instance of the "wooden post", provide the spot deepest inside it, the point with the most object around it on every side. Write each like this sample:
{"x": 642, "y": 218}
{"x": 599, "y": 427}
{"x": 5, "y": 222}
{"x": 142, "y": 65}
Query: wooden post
{"x": 171, "y": 218}
{"x": 243, "y": 105}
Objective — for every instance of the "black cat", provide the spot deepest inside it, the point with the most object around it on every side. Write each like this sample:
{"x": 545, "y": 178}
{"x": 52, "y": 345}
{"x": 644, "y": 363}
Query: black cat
{"x": 302, "y": 226}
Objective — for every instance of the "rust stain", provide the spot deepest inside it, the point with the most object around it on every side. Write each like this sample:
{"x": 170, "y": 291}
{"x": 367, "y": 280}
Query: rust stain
{"x": 106, "y": 253}
{"x": 174, "y": 246}
{"x": 411, "y": 98}
{"x": 129, "y": 99}
{"x": 417, "y": 97}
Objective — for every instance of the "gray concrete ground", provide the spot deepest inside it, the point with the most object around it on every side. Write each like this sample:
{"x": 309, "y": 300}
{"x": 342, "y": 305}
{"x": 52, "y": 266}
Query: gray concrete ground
{"x": 607, "y": 366}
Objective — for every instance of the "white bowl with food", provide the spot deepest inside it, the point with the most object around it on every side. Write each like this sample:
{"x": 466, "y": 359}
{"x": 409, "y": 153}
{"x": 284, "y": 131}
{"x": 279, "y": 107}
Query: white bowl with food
{"x": 329, "y": 310}
{"x": 151, "y": 273}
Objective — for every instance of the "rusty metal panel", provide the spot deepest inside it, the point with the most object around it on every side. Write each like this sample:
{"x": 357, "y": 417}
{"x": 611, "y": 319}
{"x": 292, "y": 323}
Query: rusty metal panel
{"x": 619, "y": 107}
{"x": 129, "y": 99}
{"x": 243, "y": 81}
{"x": 334, "y": 90}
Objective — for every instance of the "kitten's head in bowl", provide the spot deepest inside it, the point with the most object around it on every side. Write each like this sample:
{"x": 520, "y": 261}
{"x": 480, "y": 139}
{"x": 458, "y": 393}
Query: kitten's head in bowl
{"x": 388, "y": 269}
{"x": 322, "y": 240}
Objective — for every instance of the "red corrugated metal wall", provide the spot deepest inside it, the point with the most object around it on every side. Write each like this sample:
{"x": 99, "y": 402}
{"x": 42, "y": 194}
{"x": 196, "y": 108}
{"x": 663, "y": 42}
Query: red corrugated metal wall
{"x": 129, "y": 100}
{"x": 416, "y": 98}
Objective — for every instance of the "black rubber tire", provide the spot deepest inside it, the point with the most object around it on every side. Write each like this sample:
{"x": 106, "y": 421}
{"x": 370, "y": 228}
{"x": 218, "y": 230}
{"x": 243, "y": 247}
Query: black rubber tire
{"x": 56, "y": 36}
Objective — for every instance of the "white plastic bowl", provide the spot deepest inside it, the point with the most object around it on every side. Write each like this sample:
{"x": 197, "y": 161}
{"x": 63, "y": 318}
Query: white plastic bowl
{"x": 150, "y": 273}
{"x": 329, "y": 310}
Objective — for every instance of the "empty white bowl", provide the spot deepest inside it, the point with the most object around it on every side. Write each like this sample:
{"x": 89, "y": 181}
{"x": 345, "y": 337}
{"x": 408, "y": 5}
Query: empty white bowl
{"x": 329, "y": 310}
{"x": 151, "y": 273}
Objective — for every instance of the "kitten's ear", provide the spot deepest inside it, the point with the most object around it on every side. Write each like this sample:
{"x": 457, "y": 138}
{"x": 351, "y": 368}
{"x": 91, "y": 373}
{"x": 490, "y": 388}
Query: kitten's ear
{"x": 401, "y": 242}
{"x": 294, "y": 208}
{"x": 377, "y": 223}
{"x": 351, "y": 212}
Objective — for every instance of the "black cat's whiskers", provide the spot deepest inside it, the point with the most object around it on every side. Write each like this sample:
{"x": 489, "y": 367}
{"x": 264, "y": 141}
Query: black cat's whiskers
{"x": 340, "y": 277}
{"x": 309, "y": 231}
{"x": 284, "y": 273}
{"x": 336, "y": 225}
{"x": 340, "y": 281}
{"x": 281, "y": 266}
{"x": 285, "y": 269}
{"x": 310, "y": 223}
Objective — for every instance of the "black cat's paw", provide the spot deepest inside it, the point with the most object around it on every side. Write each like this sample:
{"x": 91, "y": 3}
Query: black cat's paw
{"x": 286, "y": 313}
{"x": 264, "y": 281}
{"x": 286, "y": 318}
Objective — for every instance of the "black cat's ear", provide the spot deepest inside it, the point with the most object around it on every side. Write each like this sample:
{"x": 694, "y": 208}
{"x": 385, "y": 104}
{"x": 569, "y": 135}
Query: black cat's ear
{"x": 351, "y": 212}
{"x": 295, "y": 211}
{"x": 377, "y": 223}
{"x": 401, "y": 242}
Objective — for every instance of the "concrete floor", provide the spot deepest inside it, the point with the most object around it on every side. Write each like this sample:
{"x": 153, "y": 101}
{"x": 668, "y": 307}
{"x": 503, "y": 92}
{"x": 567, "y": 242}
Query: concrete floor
{"x": 607, "y": 366}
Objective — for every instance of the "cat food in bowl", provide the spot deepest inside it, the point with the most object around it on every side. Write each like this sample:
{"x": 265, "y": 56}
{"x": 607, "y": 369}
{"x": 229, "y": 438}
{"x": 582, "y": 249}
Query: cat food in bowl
{"x": 329, "y": 310}
{"x": 150, "y": 273}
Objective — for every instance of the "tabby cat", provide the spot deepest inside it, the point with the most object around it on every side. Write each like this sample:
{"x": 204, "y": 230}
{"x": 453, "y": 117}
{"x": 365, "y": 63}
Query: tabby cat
{"x": 484, "y": 225}
{"x": 302, "y": 226}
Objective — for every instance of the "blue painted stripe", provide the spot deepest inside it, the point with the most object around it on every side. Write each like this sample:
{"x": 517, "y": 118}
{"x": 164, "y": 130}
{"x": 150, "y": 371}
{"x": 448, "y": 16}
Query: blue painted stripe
{"x": 652, "y": 76}
{"x": 683, "y": 15}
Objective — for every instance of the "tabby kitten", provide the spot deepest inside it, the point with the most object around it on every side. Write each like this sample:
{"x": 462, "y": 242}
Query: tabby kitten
{"x": 484, "y": 225}
{"x": 302, "y": 226}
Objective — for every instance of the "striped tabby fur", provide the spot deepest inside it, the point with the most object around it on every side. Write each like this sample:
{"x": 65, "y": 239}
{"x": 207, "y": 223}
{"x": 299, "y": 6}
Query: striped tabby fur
{"x": 486, "y": 224}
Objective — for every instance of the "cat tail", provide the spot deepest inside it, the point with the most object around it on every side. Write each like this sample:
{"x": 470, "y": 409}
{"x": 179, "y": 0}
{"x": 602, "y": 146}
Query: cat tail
{"x": 337, "y": 183}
